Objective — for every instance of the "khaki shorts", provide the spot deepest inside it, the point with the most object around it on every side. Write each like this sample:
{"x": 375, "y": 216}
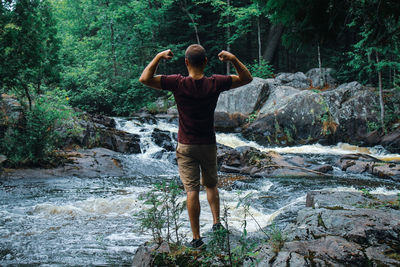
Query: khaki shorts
{"x": 193, "y": 158}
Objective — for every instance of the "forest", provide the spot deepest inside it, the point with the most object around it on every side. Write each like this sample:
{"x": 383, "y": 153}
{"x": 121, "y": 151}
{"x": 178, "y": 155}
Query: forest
{"x": 89, "y": 54}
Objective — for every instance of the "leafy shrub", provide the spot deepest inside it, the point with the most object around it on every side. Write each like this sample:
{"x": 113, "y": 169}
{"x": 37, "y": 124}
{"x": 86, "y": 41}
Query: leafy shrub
{"x": 33, "y": 139}
{"x": 263, "y": 70}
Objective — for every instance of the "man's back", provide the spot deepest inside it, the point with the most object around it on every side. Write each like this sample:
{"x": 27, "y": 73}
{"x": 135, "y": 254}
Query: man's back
{"x": 196, "y": 101}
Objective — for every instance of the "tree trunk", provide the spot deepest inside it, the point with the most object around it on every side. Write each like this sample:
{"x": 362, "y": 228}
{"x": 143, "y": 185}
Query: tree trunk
{"x": 259, "y": 41}
{"x": 28, "y": 96}
{"x": 321, "y": 74}
{"x": 381, "y": 95}
{"x": 274, "y": 36}
{"x": 228, "y": 46}
{"x": 114, "y": 59}
{"x": 183, "y": 7}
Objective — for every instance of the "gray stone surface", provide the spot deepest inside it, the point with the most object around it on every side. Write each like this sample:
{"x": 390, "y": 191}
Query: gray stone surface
{"x": 339, "y": 229}
{"x": 296, "y": 80}
{"x": 85, "y": 163}
{"x": 245, "y": 99}
{"x": 314, "y": 75}
{"x": 279, "y": 97}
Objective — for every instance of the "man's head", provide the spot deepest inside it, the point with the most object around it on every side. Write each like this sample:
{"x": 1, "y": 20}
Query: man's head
{"x": 195, "y": 56}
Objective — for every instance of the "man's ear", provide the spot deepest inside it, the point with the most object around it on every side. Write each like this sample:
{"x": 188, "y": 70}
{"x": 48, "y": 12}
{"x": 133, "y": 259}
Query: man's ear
{"x": 205, "y": 61}
{"x": 187, "y": 62}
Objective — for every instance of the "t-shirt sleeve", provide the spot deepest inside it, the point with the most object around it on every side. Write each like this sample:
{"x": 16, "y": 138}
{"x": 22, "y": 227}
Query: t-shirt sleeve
{"x": 170, "y": 82}
{"x": 223, "y": 82}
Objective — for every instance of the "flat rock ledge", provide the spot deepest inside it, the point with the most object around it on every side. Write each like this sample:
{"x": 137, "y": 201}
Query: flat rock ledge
{"x": 339, "y": 229}
{"x": 85, "y": 163}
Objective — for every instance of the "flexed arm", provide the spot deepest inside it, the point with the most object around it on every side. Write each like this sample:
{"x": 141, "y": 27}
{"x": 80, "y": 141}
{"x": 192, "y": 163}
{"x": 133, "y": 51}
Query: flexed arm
{"x": 244, "y": 75}
{"x": 147, "y": 77}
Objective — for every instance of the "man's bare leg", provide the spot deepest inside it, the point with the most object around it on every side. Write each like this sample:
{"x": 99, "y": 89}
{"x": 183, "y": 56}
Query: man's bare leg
{"x": 213, "y": 200}
{"x": 193, "y": 207}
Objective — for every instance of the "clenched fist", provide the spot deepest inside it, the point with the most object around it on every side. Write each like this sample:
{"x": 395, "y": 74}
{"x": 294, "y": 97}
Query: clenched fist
{"x": 226, "y": 56}
{"x": 167, "y": 54}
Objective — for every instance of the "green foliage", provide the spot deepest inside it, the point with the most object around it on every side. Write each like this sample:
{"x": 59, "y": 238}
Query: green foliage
{"x": 33, "y": 139}
{"x": 252, "y": 117}
{"x": 277, "y": 238}
{"x": 263, "y": 70}
{"x": 28, "y": 47}
{"x": 162, "y": 216}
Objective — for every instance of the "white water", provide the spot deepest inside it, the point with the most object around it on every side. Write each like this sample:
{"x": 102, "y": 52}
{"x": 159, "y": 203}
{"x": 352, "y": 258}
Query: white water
{"x": 70, "y": 221}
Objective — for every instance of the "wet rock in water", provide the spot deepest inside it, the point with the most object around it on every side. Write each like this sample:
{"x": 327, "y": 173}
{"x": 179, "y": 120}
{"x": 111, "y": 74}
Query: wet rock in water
{"x": 392, "y": 141}
{"x": 228, "y": 122}
{"x": 339, "y": 229}
{"x": 163, "y": 139}
{"x": 296, "y": 80}
{"x": 250, "y": 161}
{"x": 245, "y": 99}
{"x": 104, "y": 120}
{"x": 362, "y": 163}
{"x": 85, "y": 163}
{"x": 317, "y": 78}
{"x": 144, "y": 255}
{"x": 323, "y": 168}
{"x": 2, "y": 159}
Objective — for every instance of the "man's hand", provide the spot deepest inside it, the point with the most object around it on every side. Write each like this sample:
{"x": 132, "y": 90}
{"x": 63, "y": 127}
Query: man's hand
{"x": 244, "y": 76}
{"x": 148, "y": 77}
{"x": 167, "y": 54}
{"x": 226, "y": 56}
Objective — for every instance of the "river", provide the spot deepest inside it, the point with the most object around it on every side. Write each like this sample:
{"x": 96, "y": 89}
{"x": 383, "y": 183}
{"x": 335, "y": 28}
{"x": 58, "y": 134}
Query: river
{"x": 81, "y": 221}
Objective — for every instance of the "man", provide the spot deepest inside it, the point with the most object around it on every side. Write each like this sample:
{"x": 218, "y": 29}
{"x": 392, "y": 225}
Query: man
{"x": 196, "y": 98}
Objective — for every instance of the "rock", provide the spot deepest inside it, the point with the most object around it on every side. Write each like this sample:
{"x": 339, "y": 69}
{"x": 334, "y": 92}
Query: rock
{"x": 323, "y": 168}
{"x": 163, "y": 139}
{"x": 294, "y": 117}
{"x": 339, "y": 229}
{"x": 392, "y": 141}
{"x": 296, "y": 80}
{"x": 245, "y": 99}
{"x": 299, "y": 121}
{"x": 315, "y": 76}
{"x": 250, "y": 161}
{"x": 278, "y": 98}
{"x": 2, "y": 159}
{"x": 362, "y": 163}
{"x": 144, "y": 255}
{"x": 173, "y": 111}
{"x": 104, "y": 120}
{"x": 228, "y": 122}
{"x": 85, "y": 163}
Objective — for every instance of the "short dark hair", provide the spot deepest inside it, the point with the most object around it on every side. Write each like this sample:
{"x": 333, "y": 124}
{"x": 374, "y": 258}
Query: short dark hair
{"x": 196, "y": 54}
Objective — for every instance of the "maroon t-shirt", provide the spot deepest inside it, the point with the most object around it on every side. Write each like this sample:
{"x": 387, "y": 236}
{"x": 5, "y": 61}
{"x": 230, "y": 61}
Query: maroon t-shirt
{"x": 196, "y": 101}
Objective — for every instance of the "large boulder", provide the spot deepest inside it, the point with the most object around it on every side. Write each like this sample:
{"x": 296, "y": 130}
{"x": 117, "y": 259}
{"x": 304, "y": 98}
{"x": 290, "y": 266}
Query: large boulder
{"x": 298, "y": 121}
{"x": 229, "y": 122}
{"x": 245, "y": 99}
{"x": 339, "y": 229}
{"x": 292, "y": 116}
{"x": 296, "y": 80}
{"x": 317, "y": 78}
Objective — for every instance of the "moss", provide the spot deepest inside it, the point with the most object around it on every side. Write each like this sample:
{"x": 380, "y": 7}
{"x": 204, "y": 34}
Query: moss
{"x": 335, "y": 208}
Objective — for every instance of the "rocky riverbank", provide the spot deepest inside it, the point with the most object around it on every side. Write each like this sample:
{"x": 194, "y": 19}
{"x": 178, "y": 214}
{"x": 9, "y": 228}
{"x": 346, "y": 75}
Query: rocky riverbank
{"x": 333, "y": 229}
{"x": 339, "y": 229}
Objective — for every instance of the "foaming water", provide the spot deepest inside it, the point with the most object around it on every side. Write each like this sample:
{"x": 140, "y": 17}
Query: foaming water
{"x": 234, "y": 140}
{"x": 80, "y": 222}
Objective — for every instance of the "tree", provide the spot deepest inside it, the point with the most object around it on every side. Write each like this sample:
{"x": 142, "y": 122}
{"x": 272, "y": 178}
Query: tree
{"x": 28, "y": 47}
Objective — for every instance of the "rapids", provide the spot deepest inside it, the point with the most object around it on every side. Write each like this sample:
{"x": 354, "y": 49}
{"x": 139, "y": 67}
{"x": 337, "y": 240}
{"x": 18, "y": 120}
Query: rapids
{"x": 71, "y": 221}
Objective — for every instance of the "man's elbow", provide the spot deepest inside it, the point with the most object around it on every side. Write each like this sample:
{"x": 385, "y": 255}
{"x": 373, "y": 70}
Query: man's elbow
{"x": 142, "y": 80}
{"x": 247, "y": 80}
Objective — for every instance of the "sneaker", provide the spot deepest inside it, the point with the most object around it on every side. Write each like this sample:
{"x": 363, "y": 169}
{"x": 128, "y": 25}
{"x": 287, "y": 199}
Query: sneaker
{"x": 218, "y": 227}
{"x": 197, "y": 243}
